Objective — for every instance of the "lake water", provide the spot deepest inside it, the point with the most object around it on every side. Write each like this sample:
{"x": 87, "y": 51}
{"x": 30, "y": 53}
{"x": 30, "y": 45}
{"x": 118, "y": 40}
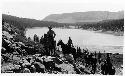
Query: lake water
{"x": 84, "y": 39}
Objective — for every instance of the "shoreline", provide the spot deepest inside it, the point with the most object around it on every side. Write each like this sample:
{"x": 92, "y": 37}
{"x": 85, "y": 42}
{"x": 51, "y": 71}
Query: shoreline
{"x": 111, "y": 33}
{"x": 106, "y": 49}
{"x": 120, "y": 33}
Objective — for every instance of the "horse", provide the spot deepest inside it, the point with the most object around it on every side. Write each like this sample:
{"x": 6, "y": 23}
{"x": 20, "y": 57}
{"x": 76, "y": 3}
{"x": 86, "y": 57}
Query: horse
{"x": 66, "y": 49}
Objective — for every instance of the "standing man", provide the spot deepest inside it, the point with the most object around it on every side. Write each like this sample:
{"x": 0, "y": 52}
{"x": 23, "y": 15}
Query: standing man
{"x": 70, "y": 44}
{"x": 41, "y": 40}
{"x": 51, "y": 35}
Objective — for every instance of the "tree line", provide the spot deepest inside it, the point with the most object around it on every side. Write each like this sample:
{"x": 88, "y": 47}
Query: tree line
{"x": 105, "y": 25}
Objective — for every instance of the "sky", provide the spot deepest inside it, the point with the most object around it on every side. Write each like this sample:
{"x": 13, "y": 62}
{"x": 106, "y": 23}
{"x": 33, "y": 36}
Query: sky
{"x": 39, "y": 9}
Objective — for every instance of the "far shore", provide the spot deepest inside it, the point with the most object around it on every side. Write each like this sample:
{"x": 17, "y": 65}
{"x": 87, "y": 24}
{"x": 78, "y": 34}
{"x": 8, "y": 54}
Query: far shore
{"x": 119, "y": 33}
{"x": 112, "y": 33}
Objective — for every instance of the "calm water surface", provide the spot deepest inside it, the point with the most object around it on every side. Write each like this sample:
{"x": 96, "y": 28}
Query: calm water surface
{"x": 83, "y": 38}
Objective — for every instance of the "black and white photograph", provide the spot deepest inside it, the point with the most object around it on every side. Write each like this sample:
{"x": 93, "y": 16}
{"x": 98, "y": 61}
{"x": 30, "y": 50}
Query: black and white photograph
{"x": 82, "y": 37}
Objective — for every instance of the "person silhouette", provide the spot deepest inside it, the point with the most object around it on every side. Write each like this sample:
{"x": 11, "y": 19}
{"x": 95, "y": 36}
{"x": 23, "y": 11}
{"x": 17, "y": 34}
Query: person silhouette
{"x": 51, "y": 35}
{"x": 70, "y": 44}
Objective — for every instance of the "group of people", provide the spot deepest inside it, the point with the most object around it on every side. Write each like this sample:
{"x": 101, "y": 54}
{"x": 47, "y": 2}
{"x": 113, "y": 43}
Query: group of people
{"x": 48, "y": 41}
{"x": 50, "y": 46}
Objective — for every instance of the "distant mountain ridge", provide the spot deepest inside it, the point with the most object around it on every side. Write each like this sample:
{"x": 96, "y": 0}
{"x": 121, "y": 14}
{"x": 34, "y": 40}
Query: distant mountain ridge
{"x": 113, "y": 25}
{"x": 90, "y": 16}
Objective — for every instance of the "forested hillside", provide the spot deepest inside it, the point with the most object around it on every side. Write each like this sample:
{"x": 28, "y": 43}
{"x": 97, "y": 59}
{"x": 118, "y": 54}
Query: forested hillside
{"x": 22, "y": 23}
{"x": 105, "y": 25}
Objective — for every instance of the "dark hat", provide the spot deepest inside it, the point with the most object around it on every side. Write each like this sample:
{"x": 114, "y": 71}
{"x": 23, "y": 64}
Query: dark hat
{"x": 50, "y": 27}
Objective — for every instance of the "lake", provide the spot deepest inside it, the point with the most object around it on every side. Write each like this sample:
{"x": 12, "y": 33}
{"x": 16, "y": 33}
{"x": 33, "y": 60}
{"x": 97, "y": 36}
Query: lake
{"x": 85, "y": 39}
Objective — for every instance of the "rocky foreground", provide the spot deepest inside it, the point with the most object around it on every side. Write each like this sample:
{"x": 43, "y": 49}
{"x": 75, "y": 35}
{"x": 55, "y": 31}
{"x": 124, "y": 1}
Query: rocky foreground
{"x": 21, "y": 55}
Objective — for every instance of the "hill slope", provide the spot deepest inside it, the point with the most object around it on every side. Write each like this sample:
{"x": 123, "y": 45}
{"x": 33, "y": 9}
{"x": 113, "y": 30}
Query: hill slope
{"x": 90, "y": 16}
{"x": 23, "y": 23}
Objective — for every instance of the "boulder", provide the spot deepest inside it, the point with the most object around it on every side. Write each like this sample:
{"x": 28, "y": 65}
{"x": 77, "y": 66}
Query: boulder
{"x": 32, "y": 69}
{"x": 26, "y": 70}
{"x": 7, "y": 34}
{"x": 67, "y": 68}
{"x": 39, "y": 67}
{"x": 69, "y": 58}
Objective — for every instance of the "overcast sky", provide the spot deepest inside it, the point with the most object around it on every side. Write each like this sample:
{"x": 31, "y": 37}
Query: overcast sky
{"x": 39, "y": 9}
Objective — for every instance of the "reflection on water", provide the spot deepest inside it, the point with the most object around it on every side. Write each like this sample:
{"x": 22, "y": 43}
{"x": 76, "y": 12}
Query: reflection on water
{"x": 82, "y": 38}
